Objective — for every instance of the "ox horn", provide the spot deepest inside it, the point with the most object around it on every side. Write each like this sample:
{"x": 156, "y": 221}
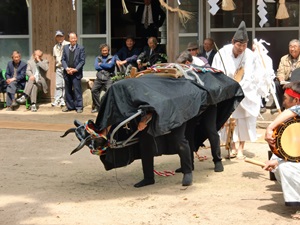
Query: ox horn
{"x": 81, "y": 144}
{"x": 71, "y": 130}
{"x": 77, "y": 123}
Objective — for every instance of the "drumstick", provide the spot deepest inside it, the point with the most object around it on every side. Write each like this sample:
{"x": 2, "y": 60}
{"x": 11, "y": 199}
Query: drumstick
{"x": 255, "y": 162}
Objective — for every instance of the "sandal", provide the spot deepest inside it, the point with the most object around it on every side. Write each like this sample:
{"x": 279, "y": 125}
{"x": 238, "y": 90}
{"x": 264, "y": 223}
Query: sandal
{"x": 202, "y": 158}
{"x": 233, "y": 154}
{"x": 296, "y": 216}
{"x": 240, "y": 157}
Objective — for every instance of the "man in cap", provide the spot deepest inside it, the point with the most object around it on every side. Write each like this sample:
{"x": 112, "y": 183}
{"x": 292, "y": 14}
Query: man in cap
{"x": 193, "y": 48}
{"x": 237, "y": 62}
{"x": 59, "y": 98}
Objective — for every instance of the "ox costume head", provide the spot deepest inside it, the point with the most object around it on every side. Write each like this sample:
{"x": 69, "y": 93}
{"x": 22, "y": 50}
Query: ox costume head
{"x": 89, "y": 136}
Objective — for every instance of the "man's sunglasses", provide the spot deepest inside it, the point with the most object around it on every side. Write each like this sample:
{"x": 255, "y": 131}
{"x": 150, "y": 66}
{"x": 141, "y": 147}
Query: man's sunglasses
{"x": 194, "y": 49}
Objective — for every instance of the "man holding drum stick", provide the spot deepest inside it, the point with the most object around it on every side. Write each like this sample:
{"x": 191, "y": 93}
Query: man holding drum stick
{"x": 287, "y": 169}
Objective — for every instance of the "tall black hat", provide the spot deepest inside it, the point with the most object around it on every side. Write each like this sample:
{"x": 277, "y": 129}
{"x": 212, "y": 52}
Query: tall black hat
{"x": 241, "y": 33}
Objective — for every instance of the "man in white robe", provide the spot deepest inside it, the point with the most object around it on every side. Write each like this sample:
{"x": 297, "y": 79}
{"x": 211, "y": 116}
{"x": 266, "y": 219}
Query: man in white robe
{"x": 287, "y": 173}
{"x": 234, "y": 59}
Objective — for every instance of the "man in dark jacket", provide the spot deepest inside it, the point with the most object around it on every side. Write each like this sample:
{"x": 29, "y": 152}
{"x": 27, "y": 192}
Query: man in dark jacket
{"x": 149, "y": 17}
{"x": 73, "y": 60}
{"x": 15, "y": 79}
{"x": 208, "y": 50}
{"x": 126, "y": 57}
{"x": 152, "y": 54}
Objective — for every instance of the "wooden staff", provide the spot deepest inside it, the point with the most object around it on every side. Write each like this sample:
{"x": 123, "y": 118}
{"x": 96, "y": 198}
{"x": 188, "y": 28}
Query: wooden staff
{"x": 255, "y": 162}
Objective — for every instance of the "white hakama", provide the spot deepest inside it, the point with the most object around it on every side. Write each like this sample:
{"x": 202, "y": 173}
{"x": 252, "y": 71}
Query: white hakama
{"x": 288, "y": 175}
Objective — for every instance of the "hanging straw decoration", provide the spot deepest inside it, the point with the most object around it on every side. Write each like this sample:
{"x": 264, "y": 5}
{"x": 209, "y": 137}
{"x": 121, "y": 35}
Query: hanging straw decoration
{"x": 282, "y": 12}
{"x": 228, "y": 5}
{"x": 125, "y": 10}
{"x": 184, "y": 15}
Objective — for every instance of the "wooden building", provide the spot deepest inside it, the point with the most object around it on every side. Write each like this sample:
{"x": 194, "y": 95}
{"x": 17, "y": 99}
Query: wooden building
{"x": 26, "y": 25}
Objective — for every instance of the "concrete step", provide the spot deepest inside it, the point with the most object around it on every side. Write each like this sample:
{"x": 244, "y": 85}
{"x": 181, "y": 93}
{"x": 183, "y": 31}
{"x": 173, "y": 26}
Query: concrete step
{"x": 46, "y": 108}
{"x": 264, "y": 119}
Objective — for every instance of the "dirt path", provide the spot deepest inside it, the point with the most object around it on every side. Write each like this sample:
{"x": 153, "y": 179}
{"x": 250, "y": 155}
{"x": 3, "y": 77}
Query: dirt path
{"x": 40, "y": 183}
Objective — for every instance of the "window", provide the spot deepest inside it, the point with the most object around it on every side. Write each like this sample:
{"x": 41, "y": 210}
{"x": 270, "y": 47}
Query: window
{"x": 277, "y": 32}
{"x": 189, "y": 32}
{"x": 93, "y": 30}
{"x": 232, "y": 19}
{"x": 13, "y": 17}
{"x": 14, "y": 30}
{"x": 94, "y": 17}
{"x": 192, "y": 25}
{"x": 293, "y": 11}
{"x": 91, "y": 46}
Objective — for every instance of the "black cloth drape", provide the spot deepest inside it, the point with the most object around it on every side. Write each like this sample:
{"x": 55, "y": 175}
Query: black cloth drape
{"x": 173, "y": 101}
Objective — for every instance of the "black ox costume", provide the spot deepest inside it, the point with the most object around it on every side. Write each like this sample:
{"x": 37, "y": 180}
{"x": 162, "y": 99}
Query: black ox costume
{"x": 172, "y": 102}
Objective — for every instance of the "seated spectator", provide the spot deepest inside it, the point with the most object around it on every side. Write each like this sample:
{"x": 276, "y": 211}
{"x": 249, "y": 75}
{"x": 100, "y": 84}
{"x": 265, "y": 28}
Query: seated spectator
{"x": 126, "y": 57}
{"x": 105, "y": 66}
{"x": 37, "y": 68}
{"x": 288, "y": 63}
{"x": 193, "y": 48}
{"x": 2, "y": 83}
{"x": 152, "y": 54}
{"x": 209, "y": 52}
{"x": 15, "y": 79}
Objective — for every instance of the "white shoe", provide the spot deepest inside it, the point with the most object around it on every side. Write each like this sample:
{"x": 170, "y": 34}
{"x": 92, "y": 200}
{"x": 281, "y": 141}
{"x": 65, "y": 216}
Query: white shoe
{"x": 33, "y": 108}
{"x": 55, "y": 103}
{"x": 21, "y": 100}
{"x": 62, "y": 104}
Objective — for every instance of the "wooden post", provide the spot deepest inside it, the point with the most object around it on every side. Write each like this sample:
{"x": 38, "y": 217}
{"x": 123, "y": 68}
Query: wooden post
{"x": 47, "y": 17}
{"x": 172, "y": 33}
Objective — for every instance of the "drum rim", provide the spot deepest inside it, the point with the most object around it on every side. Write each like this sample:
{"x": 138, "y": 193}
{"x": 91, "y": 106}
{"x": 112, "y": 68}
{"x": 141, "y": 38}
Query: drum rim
{"x": 278, "y": 150}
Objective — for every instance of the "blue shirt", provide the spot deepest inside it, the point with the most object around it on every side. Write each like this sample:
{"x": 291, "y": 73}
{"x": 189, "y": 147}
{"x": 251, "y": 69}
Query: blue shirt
{"x": 107, "y": 63}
